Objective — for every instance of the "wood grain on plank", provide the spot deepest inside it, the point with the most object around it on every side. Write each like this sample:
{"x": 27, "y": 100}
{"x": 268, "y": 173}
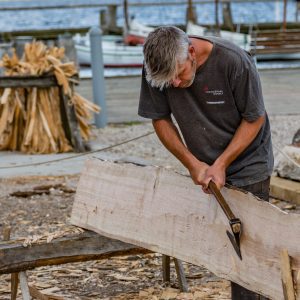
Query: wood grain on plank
{"x": 165, "y": 212}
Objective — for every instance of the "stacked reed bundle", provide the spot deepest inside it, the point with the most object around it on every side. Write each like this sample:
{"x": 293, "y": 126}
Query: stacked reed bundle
{"x": 30, "y": 118}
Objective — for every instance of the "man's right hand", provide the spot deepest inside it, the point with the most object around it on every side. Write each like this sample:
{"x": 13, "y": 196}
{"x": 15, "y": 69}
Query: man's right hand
{"x": 198, "y": 172}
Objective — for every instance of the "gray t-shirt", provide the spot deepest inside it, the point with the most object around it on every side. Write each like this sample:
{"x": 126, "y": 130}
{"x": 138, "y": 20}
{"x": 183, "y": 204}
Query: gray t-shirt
{"x": 226, "y": 90}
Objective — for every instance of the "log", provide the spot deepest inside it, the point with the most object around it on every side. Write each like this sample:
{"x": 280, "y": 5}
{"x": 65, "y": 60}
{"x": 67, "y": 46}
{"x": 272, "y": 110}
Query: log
{"x": 165, "y": 212}
{"x": 28, "y": 81}
{"x": 14, "y": 257}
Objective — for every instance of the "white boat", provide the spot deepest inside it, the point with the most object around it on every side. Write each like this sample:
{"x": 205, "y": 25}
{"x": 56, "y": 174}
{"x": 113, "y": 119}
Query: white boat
{"x": 240, "y": 39}
{"x": 115, "y": 53}
{"x": 136, "y": 33}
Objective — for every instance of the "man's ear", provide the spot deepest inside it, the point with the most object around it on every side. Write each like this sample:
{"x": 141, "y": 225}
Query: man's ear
{"x": 192, "y": 51}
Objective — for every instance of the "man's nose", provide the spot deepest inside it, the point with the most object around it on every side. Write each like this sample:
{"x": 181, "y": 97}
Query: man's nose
{"x": 176, "y": 82}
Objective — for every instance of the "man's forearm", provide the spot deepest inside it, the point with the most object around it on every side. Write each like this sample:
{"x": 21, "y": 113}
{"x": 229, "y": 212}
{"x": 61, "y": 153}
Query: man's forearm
{"x": 243, "y": 137}
{"x": 170, "y": 138}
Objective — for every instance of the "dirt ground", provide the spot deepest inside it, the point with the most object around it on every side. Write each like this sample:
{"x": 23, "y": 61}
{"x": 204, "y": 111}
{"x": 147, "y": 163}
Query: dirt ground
{"x": 130, "y": 277}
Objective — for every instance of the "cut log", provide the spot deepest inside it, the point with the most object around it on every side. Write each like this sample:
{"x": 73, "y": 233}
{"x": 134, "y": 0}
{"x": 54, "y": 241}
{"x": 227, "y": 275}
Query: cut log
{"x": 165, "y": 212}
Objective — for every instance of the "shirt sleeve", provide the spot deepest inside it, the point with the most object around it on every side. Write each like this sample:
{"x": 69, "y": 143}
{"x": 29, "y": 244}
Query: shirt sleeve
{"x": 153, "y": 103}
{"x": 247, "y": 91}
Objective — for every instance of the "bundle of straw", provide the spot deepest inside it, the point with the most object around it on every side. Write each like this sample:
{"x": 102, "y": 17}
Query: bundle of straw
{"x": 30, "y": 118}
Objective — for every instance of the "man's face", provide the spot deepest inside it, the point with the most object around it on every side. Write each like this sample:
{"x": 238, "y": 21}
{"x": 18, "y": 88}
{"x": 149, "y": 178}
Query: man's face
{"x": 186, "y": 73}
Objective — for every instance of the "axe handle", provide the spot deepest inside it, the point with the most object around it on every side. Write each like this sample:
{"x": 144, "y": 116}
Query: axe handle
{"x": 216, "y": 192}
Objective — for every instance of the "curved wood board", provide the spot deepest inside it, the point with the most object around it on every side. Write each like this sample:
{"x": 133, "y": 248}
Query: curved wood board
{"x": 165, "y": 212}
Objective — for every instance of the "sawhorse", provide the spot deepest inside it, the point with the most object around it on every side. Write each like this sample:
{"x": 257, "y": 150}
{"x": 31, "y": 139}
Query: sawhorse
{"x": 179, "y": 271}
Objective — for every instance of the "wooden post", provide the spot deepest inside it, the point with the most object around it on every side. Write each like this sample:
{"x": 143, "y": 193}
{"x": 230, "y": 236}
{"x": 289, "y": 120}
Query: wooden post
{"x": 14, "y": 285}
{"x": 217, "y": 16}
{"x": 179, "y": 272}
{"x": 284, "y": 15}
{"x": 24, "y": 286}
{"x": 112, "y": 17}
{"x": 70, "y": 123}
{"x": 166, "y": 268}
{"x": 227, "y": 16}
{"x": 286, "y": 276}
{"x": 181, "y": 276}
{"x": 14, "y": 276}
{"x": 102, "y": 20}
{"x": 191, "y": 15}
{"x": 126, "y": 18}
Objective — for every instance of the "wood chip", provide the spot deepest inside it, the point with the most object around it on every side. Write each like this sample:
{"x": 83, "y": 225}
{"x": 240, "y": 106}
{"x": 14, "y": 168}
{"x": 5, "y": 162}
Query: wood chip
{"x": 169, "y": 293}
{"x": 289, "y": 206}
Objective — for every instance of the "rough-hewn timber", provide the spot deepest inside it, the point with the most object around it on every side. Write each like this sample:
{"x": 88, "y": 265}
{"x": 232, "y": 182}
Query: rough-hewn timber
{"x": 165, "y": 212}
{"x": 14, "y": 257}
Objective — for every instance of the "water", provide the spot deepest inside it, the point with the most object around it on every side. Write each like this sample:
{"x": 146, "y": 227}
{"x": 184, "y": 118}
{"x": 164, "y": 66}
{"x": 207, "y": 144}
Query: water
{"x": 246, "y": 13}
{"x": 249, "y": 13}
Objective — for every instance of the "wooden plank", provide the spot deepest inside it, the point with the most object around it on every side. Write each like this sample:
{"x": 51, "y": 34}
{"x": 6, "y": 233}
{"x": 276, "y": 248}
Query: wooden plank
{"x": 27, "y": 81}
{"x": 285, "y": 189}
{"x": 165, "y": 212}
{"x": 286, "y": 276}
{"x": 14, "y": 257}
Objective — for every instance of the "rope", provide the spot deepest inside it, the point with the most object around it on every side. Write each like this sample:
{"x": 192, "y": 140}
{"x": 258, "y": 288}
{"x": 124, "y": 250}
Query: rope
{"x": 111, "y": 147}
{"x": 78, "y": 155}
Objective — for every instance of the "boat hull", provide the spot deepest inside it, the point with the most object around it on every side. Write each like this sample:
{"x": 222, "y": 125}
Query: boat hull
{"x": 114, "y": 55}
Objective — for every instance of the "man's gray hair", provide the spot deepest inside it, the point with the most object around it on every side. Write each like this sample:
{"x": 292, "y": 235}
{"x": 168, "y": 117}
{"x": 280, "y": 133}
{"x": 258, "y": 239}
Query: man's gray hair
{"x": 164, "y": 48}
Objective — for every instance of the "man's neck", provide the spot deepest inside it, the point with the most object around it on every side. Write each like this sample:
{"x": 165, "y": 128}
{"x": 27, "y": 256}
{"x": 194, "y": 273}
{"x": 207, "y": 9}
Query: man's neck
{"x": 203, "y": 49}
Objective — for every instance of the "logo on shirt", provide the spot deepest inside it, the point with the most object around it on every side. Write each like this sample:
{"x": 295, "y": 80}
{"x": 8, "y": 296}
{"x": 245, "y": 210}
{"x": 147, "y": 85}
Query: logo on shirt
{"x": 206, "y": 90}
{"x": 214, "y": 92}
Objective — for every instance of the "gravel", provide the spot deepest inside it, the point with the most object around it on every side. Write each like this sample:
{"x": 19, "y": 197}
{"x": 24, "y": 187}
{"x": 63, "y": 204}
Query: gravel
{"x": 283, "y": 128}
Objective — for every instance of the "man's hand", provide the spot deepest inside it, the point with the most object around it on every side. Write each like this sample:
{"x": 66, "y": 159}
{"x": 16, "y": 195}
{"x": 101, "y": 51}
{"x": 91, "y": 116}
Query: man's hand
{"x": 215, "y": 173}
{"x": 198, "y": 172}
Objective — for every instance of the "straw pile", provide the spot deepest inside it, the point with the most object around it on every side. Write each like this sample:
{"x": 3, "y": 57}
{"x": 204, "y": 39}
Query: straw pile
{"x": 30, "y": 118}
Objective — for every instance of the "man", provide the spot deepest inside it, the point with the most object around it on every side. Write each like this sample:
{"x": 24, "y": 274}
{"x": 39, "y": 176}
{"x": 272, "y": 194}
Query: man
{"x": 212, "y": 89}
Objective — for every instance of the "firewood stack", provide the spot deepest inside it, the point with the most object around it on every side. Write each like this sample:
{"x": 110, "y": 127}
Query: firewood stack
{"x": 30, "y": 118}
